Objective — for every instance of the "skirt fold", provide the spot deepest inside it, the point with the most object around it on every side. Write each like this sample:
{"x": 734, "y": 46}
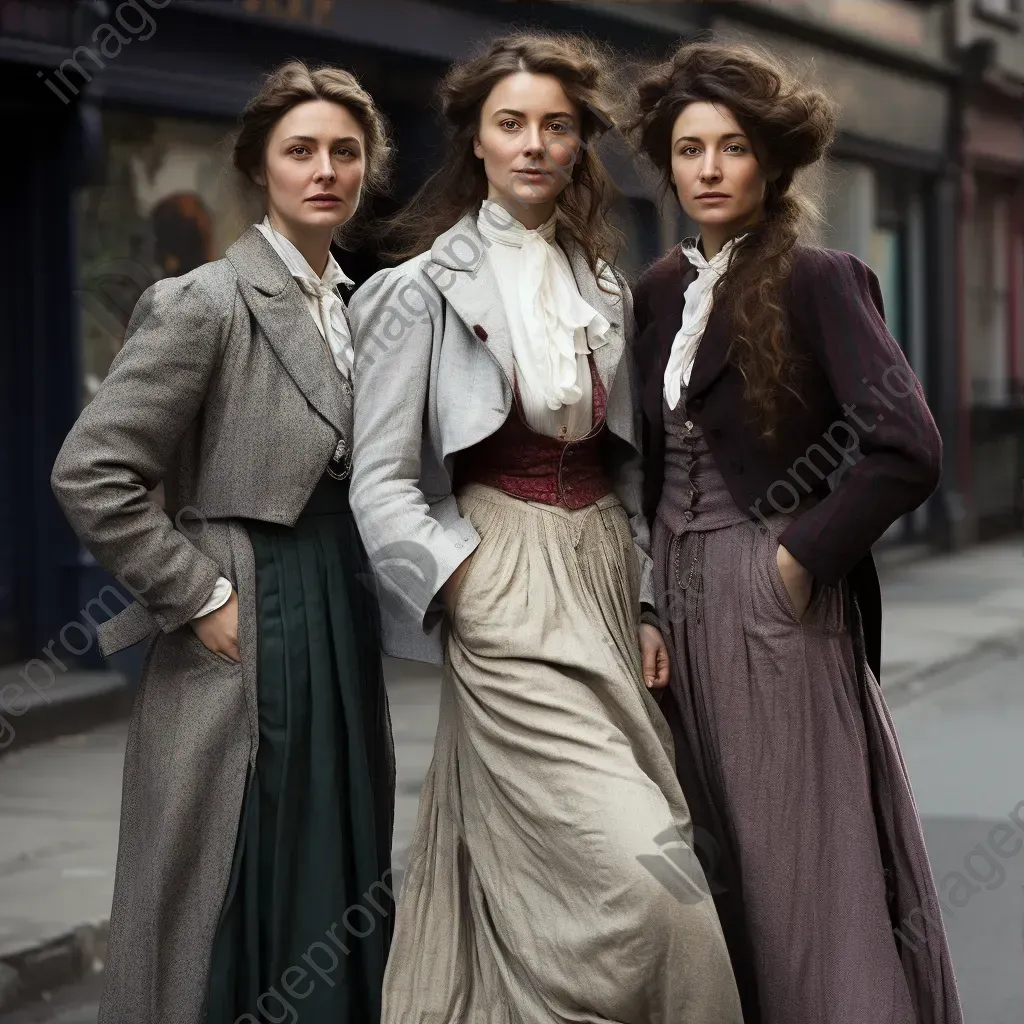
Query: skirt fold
{"x": 312, "y": 861}
{"x": 787, "y": 755}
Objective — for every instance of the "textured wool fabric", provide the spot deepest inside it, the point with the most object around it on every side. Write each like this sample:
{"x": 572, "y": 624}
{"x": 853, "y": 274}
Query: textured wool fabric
{"x": 790, "y": 764}
{"x": 534, "y": 892}
{"x": 322, "y": 299}
{"x": 225, "y": 391}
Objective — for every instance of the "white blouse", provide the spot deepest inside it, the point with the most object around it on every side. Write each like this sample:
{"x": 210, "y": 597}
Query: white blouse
{"x": 553, "y": 329}
{"x": 322, "y": 299}
{"x": 697, "y": 302}
{"x": 328, "y": 313}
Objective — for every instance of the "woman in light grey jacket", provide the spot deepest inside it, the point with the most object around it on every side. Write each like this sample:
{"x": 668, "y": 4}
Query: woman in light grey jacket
{"x": 496, "y": 483}
{"x": 259, "y": 773}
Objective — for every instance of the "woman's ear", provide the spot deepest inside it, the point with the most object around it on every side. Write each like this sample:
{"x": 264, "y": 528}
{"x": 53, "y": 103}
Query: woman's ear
{"x": 477, "y": 149}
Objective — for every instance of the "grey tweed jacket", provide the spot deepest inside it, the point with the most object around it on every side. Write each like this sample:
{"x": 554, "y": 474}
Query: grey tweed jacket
{"x": 433, "y": 376}
{"x": 224, "y": 390}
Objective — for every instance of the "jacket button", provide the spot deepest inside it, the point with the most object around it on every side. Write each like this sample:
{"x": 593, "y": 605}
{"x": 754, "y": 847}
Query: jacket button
{"x": 688, "y": 516}
{"x": 688, "y": 424}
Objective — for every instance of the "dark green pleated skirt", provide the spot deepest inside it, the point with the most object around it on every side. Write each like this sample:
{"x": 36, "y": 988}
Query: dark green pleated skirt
{"x": 306, "y": 924}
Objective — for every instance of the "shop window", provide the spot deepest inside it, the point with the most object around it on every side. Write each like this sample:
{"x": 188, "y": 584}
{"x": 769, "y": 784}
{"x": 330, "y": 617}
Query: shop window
{"x": 163, "y": 201}
{"x": 987, "y": 294}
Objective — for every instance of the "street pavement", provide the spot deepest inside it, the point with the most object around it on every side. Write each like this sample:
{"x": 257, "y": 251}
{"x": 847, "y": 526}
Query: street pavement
{"x": 953, "y": 668}
{"x": 963, "y": 742}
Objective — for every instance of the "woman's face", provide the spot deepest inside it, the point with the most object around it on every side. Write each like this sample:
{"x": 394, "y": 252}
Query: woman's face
{"x": 529, "y": 141}
{"x": 717, "y": 177}
{"x": 313, "y": 168}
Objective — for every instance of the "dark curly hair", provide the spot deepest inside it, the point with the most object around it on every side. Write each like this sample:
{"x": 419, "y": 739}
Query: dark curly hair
{"x": 460, "y": 184}
{"x": 790, "y": 127}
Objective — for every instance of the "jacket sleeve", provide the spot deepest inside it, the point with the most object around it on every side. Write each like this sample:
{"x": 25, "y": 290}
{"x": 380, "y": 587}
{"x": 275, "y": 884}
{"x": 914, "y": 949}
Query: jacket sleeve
{"x": 629, "y": 485}
{"x": 839, "y": 309}
{"x": 414, "y": 545}
{"x": 125, "y": 440}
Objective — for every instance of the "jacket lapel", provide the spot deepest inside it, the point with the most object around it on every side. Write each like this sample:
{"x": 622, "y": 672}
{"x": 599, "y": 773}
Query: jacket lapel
{"x": 276, "y": 302}
{"x": 469, "y": 286}
{"x": 668, "y": 316}
{"x": 712, "y": 355}
{"x": 609, "y": 304}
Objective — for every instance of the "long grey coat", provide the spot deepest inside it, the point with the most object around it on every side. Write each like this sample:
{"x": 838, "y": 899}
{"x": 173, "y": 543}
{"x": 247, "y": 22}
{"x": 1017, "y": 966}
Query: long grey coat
{"x": 224, "y": 390}
{"x": 433, "y": 376}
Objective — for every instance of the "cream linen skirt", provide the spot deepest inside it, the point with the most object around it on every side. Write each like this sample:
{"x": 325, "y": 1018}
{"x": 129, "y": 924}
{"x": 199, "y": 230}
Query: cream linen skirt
{"x": 551, "y": 876}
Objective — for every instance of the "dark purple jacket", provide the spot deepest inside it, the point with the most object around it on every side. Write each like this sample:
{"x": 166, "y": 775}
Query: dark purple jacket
{"x": 857, "y": 390}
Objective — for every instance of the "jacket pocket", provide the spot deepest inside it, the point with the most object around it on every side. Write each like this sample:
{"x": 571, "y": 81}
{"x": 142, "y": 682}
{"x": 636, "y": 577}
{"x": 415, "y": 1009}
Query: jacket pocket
{"x": 220, "y": 659}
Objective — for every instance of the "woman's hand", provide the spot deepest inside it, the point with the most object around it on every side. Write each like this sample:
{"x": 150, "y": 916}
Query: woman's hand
{"x": 450, "y": 587}
{"x": 797, "y": 579}
{"x": 655, "y": 657}
{"x": 218, "y": 631}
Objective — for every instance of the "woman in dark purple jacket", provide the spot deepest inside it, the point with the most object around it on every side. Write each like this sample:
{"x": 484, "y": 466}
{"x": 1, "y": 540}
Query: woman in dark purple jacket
{"x": 766, "y": 368}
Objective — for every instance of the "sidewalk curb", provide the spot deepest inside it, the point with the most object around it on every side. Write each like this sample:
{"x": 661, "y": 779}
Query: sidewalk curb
{"x": 1001, "y": 647}
{"x": 81, "y": 702}
{"x": 25, "y": 976}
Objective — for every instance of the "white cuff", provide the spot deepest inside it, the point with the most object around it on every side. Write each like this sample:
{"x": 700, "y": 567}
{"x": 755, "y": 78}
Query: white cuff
{"x": 220, "y": 596}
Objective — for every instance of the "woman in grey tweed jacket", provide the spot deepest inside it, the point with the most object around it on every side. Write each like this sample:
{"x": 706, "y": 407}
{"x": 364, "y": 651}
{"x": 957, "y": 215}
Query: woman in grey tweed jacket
{"x": 259, "y": 777}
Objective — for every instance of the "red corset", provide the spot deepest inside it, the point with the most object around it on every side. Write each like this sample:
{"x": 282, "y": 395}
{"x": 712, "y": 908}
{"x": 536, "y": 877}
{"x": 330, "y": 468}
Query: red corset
{"x": 526, "y": 464}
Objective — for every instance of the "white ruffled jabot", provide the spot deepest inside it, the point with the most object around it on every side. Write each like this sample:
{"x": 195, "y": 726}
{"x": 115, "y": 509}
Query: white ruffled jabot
{"x": 550, "y": 322}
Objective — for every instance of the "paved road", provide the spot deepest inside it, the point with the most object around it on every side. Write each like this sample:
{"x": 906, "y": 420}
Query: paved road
{"x": 964, "y": 748}
{"x": 964, "y": 745}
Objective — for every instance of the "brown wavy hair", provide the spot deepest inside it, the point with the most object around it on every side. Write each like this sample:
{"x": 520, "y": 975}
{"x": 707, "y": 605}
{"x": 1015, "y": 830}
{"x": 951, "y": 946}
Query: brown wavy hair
{"x": 460, "y": 184}
{"x": 790, "y": 127}
{"x": 287, "y": 86}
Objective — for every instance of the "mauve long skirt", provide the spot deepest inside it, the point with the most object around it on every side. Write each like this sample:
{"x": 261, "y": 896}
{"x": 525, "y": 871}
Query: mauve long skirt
{"x": 801, "y": 805}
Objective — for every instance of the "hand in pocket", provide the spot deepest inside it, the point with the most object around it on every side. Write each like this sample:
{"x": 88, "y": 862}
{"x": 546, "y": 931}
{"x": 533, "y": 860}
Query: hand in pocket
{"x": 218, "y": 631}
{"x": 798, "y": 581}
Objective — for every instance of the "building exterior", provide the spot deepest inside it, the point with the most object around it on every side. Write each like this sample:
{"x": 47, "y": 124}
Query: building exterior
{"x": 884, "y": 194}
{"x": 988, "y": 36}
{"x": 127, "y": 108}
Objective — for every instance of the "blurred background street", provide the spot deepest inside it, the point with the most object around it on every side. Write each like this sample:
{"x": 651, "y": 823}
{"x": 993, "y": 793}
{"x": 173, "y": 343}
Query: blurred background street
{"x": 121, "y": 178}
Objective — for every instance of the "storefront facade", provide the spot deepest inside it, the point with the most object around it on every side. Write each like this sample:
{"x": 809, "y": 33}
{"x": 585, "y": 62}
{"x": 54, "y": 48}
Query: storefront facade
{"x": 992, "y": 267}
{"x": 128, "y": 184}
{"x": 993, "y": 342}
{"x": 881, "y": 192}
{"x": 129, "y": 125}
